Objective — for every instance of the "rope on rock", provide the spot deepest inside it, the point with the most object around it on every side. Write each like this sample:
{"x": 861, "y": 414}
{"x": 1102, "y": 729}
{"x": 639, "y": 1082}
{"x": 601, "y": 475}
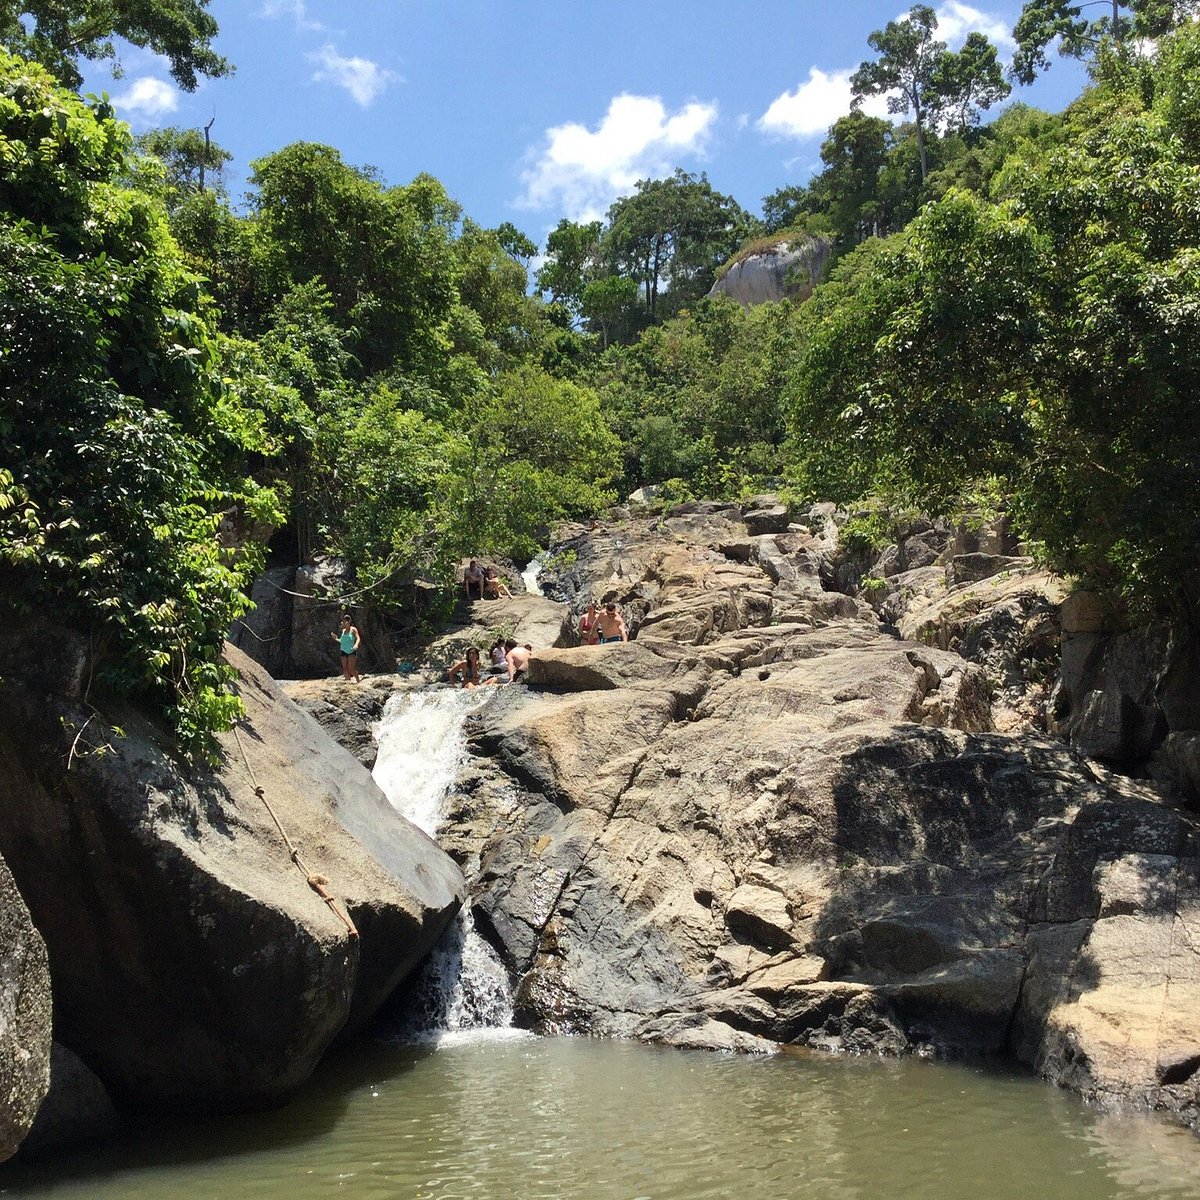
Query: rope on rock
{"x": 315, "y": 881}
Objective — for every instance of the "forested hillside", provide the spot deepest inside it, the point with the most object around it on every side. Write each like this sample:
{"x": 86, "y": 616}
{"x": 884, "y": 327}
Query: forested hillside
{"x": 354, "y": 367}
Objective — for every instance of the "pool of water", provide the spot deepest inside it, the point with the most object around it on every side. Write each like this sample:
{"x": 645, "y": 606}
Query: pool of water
{"x": 509, "y": 1115}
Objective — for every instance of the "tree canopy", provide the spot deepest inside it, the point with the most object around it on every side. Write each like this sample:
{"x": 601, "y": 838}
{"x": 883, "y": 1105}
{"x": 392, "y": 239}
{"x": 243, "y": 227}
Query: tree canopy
{"x": 58, "y": 33}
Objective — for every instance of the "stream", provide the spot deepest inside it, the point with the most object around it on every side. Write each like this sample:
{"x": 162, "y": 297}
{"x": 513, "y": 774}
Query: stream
{"x": 458, "y": 1104}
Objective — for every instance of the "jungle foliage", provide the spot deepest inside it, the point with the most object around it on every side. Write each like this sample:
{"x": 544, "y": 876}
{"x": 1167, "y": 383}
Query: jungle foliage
{"x": 361, "y": 368}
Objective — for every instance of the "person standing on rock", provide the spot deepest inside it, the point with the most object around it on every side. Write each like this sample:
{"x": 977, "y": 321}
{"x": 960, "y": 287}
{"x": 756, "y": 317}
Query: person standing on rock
{"x": 589, "y": 626}
{"x": 348, "y": 642}
{"x": 612, "y": 625}
{"x": 473, "y": 575}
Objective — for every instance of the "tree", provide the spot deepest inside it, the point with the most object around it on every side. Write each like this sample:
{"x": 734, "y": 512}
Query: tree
{"x": 191, "y": 160}
{"x": 855, "y": 154}
{"x": 962, "y": 83}
{"x": 124, "y": 446}
{"x": 907, "y": 62}
{"x": 672, "y": 234}
{"x": 1043, "y": 23}
{"x": 58, "y": 33}
{"x": 385, "y": 254}
{"x": 571, "y": 253}
{"x": 1049, "y": 339}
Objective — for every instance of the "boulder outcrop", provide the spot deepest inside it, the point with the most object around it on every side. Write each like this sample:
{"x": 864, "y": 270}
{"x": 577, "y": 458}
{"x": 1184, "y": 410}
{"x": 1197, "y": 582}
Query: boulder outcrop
{"x": 789, "y": 268}
{"x": 770, "y": 817}
{"x": 25, "y": 1014}
{"x": 194, "y": 966}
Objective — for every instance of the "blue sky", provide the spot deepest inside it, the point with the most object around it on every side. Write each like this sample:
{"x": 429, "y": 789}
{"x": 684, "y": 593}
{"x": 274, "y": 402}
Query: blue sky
{"x": 530, "y": 110}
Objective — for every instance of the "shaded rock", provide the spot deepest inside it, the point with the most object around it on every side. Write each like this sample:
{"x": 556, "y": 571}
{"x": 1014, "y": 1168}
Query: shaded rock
{"x": 24, "y": 1018}
{"x": 773, "y": 519}
{"x": 348, "y": 712}
{"x": 77, "y": 1110}
{"x": 313, "y": 651}
{"x": 1183, "y": 756}
{"x": 1120, "y": 695}
{"x": 193, "y": 966}
{"x": 265, "y": 633}
{"x": 970, "y": 568}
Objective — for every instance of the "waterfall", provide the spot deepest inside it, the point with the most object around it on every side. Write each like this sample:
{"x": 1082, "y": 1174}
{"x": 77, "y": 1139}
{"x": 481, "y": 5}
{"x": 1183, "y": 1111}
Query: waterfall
{"x": 531, "y": 573}
{"x": 422, "y": 743}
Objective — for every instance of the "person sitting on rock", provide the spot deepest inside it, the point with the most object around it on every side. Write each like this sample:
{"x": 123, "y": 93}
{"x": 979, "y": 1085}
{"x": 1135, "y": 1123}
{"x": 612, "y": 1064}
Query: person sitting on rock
{"x": 493, "y": 586}
{"x": 612, "y": 625}
{"x": 496, "y": 652}
{"x": 589, "y": 626}
{"x": 348, "y": 642}
{"x": 473, "y": 575}
{"x": 517, "y": 659}
{"x": 467, "y": 673}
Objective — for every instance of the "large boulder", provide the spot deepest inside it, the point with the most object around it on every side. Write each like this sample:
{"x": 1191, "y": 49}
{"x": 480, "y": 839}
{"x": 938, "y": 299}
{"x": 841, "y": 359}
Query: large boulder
{"x": 788, "y": 268}
{"x": 194, "y": 966}
{"x": 24, "y": 1018}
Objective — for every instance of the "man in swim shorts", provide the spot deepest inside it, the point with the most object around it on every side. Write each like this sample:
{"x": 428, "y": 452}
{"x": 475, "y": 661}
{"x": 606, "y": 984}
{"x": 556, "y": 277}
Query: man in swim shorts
{"x": 611, "y": 625}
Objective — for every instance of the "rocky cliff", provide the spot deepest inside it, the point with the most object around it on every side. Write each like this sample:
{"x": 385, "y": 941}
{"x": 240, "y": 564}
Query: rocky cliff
{"x": 194, "y": 965}
{"x": 772, "y": 818}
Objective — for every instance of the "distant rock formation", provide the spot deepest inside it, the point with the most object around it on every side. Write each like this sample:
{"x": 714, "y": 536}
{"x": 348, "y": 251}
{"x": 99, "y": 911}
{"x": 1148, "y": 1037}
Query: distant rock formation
{"x": 787, "y": 270}
{"x": 193, "y": 965}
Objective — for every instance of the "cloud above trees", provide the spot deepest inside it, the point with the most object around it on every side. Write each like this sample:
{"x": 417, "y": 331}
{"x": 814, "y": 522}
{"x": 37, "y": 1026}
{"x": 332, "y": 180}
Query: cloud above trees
{"x": 146, "y": 100}
{"x": 365, "y": 80}
{"x": 580, "y": 171}
{"x": 808, "y": 110}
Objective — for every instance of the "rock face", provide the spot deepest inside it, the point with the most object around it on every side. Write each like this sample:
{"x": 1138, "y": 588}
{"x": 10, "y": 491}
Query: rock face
{"x": 771, "y": 818}
{"x": 787, "y": 270}
{"x": 1122, "y": 693}
{"x": 24, "y": 1018}
{"x": 193, "y": 965}
{"x": 288, "y": 629}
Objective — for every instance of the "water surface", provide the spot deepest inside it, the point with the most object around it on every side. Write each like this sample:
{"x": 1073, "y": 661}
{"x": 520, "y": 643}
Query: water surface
{"x": 501, "y": 1115}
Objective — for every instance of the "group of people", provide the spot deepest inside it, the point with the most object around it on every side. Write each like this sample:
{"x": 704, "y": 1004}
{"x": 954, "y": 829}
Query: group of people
{"x": 487, "y": 582}
{"x": 509, "y": 662}
{"x": 598, "y": 626}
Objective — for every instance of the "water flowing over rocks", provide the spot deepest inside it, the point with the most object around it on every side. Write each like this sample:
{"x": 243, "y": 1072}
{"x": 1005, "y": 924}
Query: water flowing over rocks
{"x": 24, "y": 1018}
{"x": 773, "y": 819}
{"x": 193, "y": 966}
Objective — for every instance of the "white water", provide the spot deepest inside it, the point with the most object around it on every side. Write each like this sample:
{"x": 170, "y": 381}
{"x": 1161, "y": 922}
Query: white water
{"x": 422, "y": 743}
{"x": 531, "y": 573}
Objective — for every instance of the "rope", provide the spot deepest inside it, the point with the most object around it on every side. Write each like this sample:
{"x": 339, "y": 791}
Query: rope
{"x": 315, "y": 881}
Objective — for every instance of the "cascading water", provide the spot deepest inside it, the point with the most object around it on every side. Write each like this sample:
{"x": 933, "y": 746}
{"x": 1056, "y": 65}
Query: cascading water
{"x": 422, "y": 742}
{"x": 531, "y": 573}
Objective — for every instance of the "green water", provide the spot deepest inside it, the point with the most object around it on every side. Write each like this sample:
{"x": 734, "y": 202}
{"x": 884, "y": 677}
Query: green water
{"x": 528, "y": 1118}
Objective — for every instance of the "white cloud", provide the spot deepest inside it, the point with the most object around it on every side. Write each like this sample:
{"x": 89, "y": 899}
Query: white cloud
{"x": 956, "y": 20}
{"x": 815, "y": 105}
{"x": 365, "y": 80}
{"x": 581, "y": 171}
{"x": 147, "y": 99}
{"x": 296, "y": 9}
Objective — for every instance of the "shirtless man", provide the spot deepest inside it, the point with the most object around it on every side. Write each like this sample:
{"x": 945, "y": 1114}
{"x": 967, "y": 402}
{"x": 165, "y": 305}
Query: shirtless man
{"x": 517, "y": 659}
{"x": 611, "y": 625}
